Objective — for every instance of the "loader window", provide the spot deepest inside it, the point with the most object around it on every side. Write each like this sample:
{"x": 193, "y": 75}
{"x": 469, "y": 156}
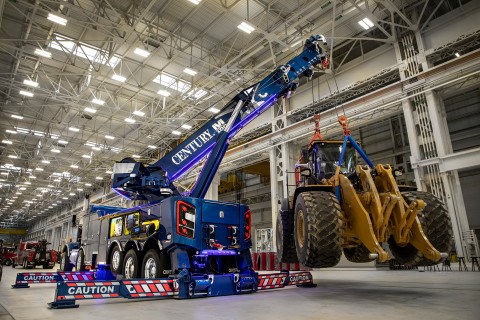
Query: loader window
{"x": 325, "y": 159}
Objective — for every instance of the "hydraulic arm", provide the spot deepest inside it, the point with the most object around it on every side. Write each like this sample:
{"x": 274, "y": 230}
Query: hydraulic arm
{"x": 154, "y": 182}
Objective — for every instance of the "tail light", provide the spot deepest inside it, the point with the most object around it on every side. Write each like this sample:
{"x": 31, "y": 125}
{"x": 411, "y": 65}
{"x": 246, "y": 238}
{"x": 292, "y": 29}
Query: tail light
{"x": 247, "y": 222}
{"x": 185, "y": 219}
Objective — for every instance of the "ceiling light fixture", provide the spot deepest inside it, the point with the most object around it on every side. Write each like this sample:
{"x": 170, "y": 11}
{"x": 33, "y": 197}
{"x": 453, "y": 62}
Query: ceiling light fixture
{"x": 175, "y": 132}
{"x": 74, "y": 166}
{"x": 30, "y": 83}
{"x": 98, "y": 101}
{"x": 366, "y": 23}
{"x": 139, "y": 113}
{"x": 457, "y": 54}
{"x": 109, "y": 172}
{"x": 98, "y": 178}
{"x": 135, "y": 156}
{"x": 88, "y": 184}
{"x": 11, "y": 131}
{"x": 190, "y": 71}
{"x": 12, "y": 156}
{"x": 26, "y": 93}
{"x": 86, "y": 156}
{"x": 43, "y": 53}
{"x": 152, "y": 147}
{"x": 195, "y": 1}
{"x": 186, "y": 126}
{"x": 214, "y": 110}
{"x": 89, "y": 110}
{"x": 109, "y": 137}
{"x": 130, "y": 120}
{"x": 38, "y": 169}
{"x": 55, "y": 150}
{"x": 7, "y": 141}
{"x": 73, "y": 129}
{"x": 17, "y": 117}
{"x": 46, "y": 161}
{"x": 141, "y": 52}
{"x": 118, "y": 77}
{"x": 62, "y": 142}
{"x": 57, "y": 19}
{"x": 245, "y": 27}
{"x": 164, "y": 93}
{"x": 96, "y": 148}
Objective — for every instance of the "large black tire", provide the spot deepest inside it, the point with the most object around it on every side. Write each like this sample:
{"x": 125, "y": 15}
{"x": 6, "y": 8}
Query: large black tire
{"x": 80, "y": 262}
{"x": 286, "y": 251}
{"x": 8, "y": 262}
{"x": 131, "y": 266}
{"x": 154, "y": 264}
{"x": 318, "y": 229}
{"x": 116, "y": 260}
{"x": 64, "y": 263}
{"x": 436, "y": 225}
{"x": 357, "y": 254}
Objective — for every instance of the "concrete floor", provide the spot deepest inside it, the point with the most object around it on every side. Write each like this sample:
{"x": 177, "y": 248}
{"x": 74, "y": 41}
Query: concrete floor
{"x": 341, "y": 294}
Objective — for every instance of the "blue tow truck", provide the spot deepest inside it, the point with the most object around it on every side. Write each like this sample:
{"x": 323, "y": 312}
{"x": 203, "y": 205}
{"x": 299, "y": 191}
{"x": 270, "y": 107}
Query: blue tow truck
{"x": 203, "y": 244}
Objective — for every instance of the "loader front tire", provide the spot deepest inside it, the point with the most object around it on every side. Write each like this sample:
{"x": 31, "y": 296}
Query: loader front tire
{"x": 357, "y": 254}
{"x": 436, "y": 225}
{"x": 286, "y": 251}
{"x": 318, "y": 229}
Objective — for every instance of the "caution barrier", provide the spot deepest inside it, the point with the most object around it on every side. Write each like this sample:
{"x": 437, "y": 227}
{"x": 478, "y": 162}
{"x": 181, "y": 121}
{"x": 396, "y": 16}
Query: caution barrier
{"x": 67, "y": 293}
{"x": 267, "y": 261}
{"x": 281, "y": 280}
{"x": 25, "y": 278}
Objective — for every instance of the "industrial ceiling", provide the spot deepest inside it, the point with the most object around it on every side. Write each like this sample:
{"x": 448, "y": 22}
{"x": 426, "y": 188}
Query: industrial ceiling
{"x": 85, "y": 83}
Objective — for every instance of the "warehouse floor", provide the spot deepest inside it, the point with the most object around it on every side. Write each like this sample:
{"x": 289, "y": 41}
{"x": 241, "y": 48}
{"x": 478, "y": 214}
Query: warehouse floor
{"x": 341, "y": 294}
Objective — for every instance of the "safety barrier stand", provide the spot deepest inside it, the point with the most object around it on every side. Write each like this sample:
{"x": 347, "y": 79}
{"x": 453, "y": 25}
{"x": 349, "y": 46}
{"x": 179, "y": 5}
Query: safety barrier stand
{"x": 25, "y": 278}
{"x": 183, "y": 286}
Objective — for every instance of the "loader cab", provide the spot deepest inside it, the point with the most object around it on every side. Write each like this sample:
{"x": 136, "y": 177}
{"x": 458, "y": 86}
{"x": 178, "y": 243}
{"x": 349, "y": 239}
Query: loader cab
{"x": 323, "y": 157}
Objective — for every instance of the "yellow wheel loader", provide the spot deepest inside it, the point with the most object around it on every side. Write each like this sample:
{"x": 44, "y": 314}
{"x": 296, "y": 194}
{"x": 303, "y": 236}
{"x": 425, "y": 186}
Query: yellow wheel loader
{"x": 339, "y": 205}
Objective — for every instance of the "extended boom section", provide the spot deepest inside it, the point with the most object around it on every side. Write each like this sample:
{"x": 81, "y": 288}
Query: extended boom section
{"x": 136, "y": 181}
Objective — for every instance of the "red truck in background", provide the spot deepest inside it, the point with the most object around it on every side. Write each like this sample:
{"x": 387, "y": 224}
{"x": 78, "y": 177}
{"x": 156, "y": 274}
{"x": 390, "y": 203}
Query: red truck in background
{"x": 34, "y": 253}
{"x": 8, "y": 255}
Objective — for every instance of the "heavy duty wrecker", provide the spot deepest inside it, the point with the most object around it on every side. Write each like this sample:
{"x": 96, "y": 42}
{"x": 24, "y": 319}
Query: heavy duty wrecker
{"x": 183, "y": 243}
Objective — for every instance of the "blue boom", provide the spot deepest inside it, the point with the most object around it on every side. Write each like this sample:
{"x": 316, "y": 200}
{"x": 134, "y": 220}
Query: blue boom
{"x": 135, "y": 181}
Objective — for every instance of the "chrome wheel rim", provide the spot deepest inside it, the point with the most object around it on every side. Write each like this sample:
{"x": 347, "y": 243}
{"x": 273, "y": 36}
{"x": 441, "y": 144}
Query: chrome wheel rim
{"x": 150, "y": 268}
{"x": 116, "y": 259}
{"x": 129, "y": 268}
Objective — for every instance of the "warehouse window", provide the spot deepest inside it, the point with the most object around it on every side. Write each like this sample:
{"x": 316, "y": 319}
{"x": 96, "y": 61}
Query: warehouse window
{"x": 82, "y": 50}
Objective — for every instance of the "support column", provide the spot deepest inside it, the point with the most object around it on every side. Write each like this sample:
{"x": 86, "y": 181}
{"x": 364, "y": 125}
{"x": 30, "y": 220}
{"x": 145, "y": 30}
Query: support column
{"x": 429, "y": 137}
{"x": 281, "y": 161}
{"x": 212, "y": 192}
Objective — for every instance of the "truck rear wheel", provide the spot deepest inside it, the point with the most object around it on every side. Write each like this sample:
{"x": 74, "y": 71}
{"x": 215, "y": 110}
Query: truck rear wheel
{"x": 286, "y": 251}
{"x": 358, "y": 254}
{"x": 80, "y": 263}
{"x": 318, "y": 229}
{"x": 131, "y": 268}
{"x": 154, "y": 265}
{"x": 116, "y": 260}
{"x": 436, "y": 225}
{"x": 64, "y": 263}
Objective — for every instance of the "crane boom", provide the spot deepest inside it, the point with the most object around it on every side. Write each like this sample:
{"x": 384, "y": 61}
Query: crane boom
{"x": 154, "y": 182}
